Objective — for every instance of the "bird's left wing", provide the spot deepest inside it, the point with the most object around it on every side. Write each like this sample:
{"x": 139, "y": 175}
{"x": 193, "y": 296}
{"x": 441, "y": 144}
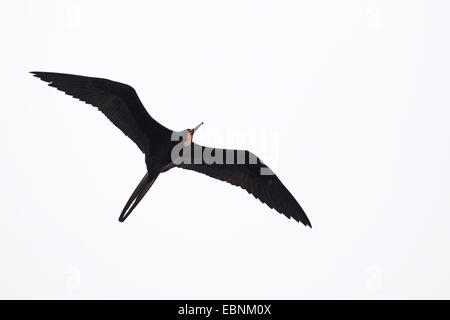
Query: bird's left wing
{"x": 118, "y": 101}
{"x": 242, "y": 168}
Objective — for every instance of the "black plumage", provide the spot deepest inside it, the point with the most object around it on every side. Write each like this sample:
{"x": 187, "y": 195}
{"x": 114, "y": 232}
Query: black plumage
{"x": 121, "y": 105}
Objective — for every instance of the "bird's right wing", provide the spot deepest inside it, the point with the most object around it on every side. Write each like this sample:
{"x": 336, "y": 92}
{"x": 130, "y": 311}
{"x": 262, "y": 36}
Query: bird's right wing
{"x": 248, "y": 172}
{"x": 119, "y": 102}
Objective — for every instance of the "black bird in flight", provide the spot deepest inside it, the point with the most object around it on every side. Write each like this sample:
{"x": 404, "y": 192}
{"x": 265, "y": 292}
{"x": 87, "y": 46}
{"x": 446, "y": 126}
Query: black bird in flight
{"x": 165, "y": 149}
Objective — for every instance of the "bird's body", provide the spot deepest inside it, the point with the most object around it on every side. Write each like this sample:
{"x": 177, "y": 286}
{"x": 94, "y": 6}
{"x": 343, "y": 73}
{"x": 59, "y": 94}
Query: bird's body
{"x": 165, "y": 149}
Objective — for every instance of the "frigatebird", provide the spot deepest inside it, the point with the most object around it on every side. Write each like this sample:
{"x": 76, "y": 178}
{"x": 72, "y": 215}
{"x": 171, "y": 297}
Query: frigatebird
{"x": 165, "y": 149}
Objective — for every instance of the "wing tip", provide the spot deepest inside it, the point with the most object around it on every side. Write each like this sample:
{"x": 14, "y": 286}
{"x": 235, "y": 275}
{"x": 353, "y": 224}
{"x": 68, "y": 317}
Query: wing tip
{"x": 303, "y": 218}
{"x": 39, "y": 75}
{"x": 306, "y": 222}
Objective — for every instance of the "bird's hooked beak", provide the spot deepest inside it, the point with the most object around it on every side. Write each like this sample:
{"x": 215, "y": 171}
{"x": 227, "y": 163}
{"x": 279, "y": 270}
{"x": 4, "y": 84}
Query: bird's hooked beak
{"x": 191, "y": 135}
{"x": 196, "y": 128}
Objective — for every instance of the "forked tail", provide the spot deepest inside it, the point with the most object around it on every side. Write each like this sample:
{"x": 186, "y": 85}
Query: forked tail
{"x": 138, "y": 194}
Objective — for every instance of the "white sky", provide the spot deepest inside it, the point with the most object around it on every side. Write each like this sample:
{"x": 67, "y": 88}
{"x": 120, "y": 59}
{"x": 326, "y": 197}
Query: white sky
{"x": 347, "y": 101}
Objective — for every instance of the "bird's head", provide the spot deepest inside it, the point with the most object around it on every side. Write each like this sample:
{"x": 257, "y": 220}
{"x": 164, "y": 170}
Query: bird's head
{"x": 190, "y": 135}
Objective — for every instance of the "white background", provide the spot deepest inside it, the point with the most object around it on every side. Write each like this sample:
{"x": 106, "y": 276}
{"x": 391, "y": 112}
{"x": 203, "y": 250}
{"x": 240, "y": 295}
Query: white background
{"x": 347, "y": 101}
